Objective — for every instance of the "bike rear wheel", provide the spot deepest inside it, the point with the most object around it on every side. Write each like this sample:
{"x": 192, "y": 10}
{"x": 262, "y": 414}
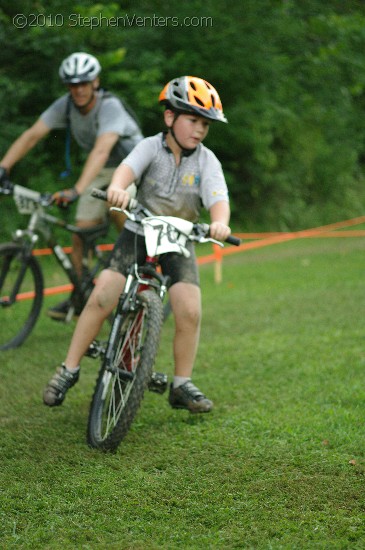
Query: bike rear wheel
{"x": 120, "y": 388}
{"x": 21, "y": 294}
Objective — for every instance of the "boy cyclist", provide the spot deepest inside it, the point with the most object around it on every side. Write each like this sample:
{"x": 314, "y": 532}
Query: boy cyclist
{"x": 175, "y": 173}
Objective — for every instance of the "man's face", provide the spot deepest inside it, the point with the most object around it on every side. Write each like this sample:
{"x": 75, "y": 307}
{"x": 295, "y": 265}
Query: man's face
{"x": 82, "y": 93}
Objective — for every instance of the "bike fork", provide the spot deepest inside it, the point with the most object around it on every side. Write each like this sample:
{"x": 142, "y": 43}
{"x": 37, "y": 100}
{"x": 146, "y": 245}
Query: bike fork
{"x": 8, "y": 301}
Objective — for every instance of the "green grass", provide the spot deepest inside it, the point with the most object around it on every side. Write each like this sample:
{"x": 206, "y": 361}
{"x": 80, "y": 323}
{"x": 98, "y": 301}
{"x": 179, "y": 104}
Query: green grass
{"x": 279, "y": 463}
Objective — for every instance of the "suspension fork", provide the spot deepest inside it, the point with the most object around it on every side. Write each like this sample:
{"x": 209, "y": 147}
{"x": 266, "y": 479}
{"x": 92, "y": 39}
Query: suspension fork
{"x": 65, "y": 262}
{"x": 122, "y": 308}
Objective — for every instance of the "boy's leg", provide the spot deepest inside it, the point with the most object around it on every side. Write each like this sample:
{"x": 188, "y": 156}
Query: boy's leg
{"x": 185, "y": 301}
{"x": 186, "y": 306}
{"x": 101, "y": 303}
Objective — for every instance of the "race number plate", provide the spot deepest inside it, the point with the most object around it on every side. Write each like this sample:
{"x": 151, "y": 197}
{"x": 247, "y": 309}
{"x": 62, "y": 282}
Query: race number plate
{"x": 166, "y": 234}
{"x": 26, "y": 200}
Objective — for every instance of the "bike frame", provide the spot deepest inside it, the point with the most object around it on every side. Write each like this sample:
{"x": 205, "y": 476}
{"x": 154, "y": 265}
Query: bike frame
{"x": 139, "y": 278}
{"x": 41, "y": 223}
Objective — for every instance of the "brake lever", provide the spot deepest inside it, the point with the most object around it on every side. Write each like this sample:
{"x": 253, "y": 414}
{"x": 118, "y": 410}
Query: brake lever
{"x": 46, "y": 199}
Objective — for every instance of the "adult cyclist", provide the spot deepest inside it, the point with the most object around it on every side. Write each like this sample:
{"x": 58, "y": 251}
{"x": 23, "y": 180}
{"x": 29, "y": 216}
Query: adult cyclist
{"x": 100, "y": 125}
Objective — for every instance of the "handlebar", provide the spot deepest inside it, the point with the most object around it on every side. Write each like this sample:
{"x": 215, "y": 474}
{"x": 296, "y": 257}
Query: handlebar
{"x": 102, "y": 195}
{"x": 7, "y": 188}
{"x": 134, "y": 204}
{"x": 231, "y": 239}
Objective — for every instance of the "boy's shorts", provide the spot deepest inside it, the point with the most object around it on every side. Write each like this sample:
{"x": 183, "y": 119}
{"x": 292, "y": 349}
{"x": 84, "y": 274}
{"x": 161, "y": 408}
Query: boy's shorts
{"x": 89, "y": 208}
{"x": 179, "y": 268}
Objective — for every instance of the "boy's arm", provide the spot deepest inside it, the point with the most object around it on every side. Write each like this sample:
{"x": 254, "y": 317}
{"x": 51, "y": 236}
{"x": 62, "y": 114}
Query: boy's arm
{"x": 219, "y": 216}
{"x": 117, "y": 190}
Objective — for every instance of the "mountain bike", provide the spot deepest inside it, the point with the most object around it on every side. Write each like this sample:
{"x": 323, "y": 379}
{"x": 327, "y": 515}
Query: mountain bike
{"x": 128, "y": 357}
{"x": 21, "y": 276}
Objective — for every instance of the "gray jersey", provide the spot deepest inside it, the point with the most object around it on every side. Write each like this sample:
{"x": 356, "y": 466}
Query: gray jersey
{"x": 108, "y": 115}
{"x": 170, "y": 190}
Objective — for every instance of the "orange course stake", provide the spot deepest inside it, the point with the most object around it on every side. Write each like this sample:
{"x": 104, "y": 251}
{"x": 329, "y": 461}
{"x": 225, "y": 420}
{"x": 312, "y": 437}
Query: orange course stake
{"x": 217, "y": 250}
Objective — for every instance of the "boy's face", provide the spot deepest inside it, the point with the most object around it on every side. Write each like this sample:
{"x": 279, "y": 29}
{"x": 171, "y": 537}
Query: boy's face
{"x": 190, "y": 130}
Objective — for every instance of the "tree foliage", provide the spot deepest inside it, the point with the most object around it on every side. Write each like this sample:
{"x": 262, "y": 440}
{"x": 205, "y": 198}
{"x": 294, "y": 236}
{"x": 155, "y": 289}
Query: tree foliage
{"x": 291, "y": 76}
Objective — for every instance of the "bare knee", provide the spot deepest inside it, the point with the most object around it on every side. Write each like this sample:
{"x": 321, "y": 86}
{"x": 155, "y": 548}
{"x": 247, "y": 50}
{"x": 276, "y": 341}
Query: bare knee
{"x": 105, "y": 294}
{"x": 189, "y": 314}
{"x": 186, "y": 304}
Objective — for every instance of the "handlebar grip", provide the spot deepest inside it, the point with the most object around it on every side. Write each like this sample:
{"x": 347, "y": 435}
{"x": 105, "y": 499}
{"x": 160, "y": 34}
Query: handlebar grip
{"x": 6, "y": 187}
{"x": 99, "y": 194}
{"x": 233, "y": 240}
{"x": 102, "y": 195}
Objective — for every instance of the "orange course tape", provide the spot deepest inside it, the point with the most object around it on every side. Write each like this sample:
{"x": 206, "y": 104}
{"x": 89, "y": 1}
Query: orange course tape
{"x": 263, "y": 239}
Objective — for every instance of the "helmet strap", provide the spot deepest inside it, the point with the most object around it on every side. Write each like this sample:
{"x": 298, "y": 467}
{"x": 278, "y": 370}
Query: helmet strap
{"x": 171, "y": 130}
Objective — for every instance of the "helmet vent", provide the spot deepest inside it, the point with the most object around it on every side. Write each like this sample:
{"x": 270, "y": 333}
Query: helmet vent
{"x": 199, "y": 101}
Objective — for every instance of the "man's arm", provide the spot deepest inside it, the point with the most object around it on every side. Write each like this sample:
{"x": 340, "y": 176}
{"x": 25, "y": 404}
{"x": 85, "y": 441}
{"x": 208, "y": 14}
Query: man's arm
{"x": 25, "y": 142}
{"x": 96, "y": 160}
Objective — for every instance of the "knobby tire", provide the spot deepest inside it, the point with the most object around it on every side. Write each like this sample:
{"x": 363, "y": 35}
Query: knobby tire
{"x": 19, "y": 318}
{"x": 116, "y": 401}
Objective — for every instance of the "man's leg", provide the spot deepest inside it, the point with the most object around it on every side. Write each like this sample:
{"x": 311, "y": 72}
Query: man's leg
{"x": 77, "y": 245}
{"x": 90, "y": 212}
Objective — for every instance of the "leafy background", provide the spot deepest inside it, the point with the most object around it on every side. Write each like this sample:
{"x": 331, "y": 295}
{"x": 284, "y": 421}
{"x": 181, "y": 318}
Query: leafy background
{"x": 291, "y": 76}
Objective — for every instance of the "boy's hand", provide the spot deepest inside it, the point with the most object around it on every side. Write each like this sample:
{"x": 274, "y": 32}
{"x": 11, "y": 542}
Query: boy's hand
{"x": 118, "y": 197}
{"x": 219, "y": 231}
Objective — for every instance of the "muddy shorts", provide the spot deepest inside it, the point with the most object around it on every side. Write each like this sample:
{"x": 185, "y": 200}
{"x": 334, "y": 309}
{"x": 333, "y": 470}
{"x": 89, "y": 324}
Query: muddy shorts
{"x": 130, "y": 246}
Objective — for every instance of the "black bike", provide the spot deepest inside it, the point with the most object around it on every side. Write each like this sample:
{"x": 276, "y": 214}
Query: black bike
{"x": 21, "y": 277}
{"x": 128, "y": 357}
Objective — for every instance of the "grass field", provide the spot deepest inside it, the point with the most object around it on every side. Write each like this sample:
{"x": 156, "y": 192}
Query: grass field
{"x": 278, "y": 464}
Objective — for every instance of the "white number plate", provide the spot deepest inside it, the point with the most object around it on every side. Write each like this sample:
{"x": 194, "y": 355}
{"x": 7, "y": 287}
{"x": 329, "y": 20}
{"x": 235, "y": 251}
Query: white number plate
{"x": 166, "y": 234}
{"x": 25, "y": 199}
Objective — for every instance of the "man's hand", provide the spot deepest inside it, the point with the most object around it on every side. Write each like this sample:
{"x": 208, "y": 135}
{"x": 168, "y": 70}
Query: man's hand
{"x": 5, "y": 184}
{"x": 3, "y": 174}
{"x": 64, "y": 198}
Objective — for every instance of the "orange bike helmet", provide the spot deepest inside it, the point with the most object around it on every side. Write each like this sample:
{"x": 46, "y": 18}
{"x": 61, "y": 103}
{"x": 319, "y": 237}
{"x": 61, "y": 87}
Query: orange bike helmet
{"x": 189, "y": 94}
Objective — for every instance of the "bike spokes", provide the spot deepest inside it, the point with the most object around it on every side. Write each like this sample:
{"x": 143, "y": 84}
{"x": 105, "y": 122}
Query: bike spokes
{"x": 118, "y": 382}
{"x": 21, "y": 295}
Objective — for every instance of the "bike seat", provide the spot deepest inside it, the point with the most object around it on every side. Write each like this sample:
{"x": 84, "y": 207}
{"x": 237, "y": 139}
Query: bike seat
{"x": 93, "y": 233}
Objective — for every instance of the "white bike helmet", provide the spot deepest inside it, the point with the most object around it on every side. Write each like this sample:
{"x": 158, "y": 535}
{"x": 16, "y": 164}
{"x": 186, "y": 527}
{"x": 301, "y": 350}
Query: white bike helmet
{"x": 79, "y": 67}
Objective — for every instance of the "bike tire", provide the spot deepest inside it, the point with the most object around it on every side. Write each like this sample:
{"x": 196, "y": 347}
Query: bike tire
{"x": 116, "y": 401}
{"x": 18, "y": 318}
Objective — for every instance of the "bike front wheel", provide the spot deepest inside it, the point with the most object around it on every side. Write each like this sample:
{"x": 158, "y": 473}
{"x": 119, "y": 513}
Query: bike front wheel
{"x": 21, "y": 294}
{"x": 123, "y": 378}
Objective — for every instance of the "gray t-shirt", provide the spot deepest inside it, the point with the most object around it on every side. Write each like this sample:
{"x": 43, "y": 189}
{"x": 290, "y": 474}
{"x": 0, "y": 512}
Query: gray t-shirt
{"x": 108, "y": 115}
{"x": 171, "y": 190}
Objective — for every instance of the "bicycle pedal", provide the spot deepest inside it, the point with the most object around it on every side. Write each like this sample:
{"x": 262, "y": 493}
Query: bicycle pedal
{"x": 158, "y": 382}
{"x": 96, "y": 349}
